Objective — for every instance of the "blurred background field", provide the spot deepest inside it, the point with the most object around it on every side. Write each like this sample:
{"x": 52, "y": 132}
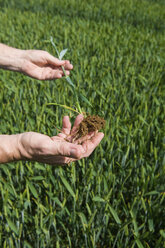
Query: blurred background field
{"x": 116, "y": 197}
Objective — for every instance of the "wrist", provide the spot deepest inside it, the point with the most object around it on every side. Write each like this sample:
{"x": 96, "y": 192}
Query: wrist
{"x": 9, "y": 148}
{"x": 23, "y": 146}
{"x": 11, "y": 58}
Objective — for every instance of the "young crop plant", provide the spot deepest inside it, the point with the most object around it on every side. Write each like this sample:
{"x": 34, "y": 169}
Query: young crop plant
{"x": 90, "y": 123}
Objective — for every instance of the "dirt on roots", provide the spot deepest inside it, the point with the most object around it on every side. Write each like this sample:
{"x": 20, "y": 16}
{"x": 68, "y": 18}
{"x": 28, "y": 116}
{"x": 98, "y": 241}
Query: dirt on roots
{"x": 89, "y": 124}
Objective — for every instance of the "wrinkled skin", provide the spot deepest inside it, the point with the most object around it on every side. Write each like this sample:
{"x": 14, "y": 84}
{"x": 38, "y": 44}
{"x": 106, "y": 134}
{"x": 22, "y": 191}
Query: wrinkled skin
{"x": 56, "y": 150}
{"x": 43, "y": 66}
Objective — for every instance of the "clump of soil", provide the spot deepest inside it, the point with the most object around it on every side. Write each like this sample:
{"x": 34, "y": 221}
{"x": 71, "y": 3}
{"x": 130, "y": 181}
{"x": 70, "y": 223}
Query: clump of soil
{"x": 90, "y": 124}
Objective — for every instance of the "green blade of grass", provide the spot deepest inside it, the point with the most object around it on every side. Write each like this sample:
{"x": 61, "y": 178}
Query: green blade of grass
{"x": 68, "y": 79}
{"x": 84, "y": 99}
{"x": 53, "y": 44}
{"x": 12, "y": 226}
{"x": 32, "y": 189}
{"x": 139, "y": 244}
{"x": 64, "y": 106}
{"x": 115, "y": 215}
{"x": 62, "y": 53}
{"x": 98, "y": 199}
{"x": 162, "y": 232}
{"x": 67, "y": 185}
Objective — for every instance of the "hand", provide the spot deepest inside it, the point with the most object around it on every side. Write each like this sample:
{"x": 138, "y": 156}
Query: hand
{"x": 43, "y": 66}
{"x": 56, "y": 150}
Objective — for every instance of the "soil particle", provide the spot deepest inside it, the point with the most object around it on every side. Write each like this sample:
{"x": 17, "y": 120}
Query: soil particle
{"x": 90, "y": 124}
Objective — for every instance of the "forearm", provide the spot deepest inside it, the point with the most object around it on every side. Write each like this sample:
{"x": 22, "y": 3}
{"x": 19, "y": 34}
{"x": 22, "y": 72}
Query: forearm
{"x": 9, "y": 148}
{"x": 11, "y": 58}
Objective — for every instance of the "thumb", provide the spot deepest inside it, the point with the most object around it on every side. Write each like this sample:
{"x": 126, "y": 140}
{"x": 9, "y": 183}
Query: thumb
{"x": 71, "y": 150}
{"x": 54, "y": 61}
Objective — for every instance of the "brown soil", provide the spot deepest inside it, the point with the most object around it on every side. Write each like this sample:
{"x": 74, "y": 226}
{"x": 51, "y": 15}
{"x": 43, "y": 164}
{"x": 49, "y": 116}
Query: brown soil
{"x": 90, "y": 124}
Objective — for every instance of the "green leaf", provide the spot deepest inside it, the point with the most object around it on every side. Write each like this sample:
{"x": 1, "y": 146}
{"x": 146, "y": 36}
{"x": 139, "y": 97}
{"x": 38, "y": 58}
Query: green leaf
{"x": 139, "y": 244}
{"x": 37, "y": 178}
{"x": 69, "y": 81}
{"x": 83, "y": 98}
{"x": 83, "y": 220}
{"x": 92, "y": 218}
{"x": 98, "y": 199}
{"x": 142, "y": 120}
{"x": 32, "y": 189}
{"x": 64, "y": 106}
{"x": 58, "y": 202}
{"x": 62, "y": 53}
{"x": 154, "y": 192}
{"x": 115, "y": 215}
{"x": 134, "y": 222}
{"x": 27, "y": 245}
{"x": 162, "y": 232}
{"x": 40, "y": 167}
{"x": 67, "y": 185}
{"x": 12, "y": 226}
{"x": 53, "y": 44}
{"x": 151, "y": 225}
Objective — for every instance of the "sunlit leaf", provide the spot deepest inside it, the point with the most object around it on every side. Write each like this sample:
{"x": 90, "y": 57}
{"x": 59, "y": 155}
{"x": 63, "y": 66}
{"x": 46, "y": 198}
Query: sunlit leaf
{"x": 67, "y": 185}
{"x": 115, "y": 215}
{"x": 12, "y": 225}
{"x": 32, "y": 189}
{"x": 98, "y": 199}
{"x": 62, "y": 53}
{"x": 69, "y": 81}
{"x": 84, "y": 99}
{"x": 139, "y": 244}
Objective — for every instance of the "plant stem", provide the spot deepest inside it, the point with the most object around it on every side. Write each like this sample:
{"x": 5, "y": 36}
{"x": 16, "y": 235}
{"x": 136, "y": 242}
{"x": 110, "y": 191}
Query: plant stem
{"x": 64, "y": 71}
{"x": 66, "y": 76}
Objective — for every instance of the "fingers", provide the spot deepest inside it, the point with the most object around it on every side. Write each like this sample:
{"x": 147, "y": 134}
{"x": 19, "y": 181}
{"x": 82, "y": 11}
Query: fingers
{"x": 66, "y": 125}
{"x": 75, "y": 151}
{"x": 43, "y": 73}
{"x": 67, "y": 149}
{"x": 78, "y": 120}
{"x": 62, "y": 73}
{"x": 55, "y": 67}
{"x": 50, "y": 74}
{"x": 60, "y": 147}
{"x": 43, "y": 66}
{"x": 57, "y": 62}
{"x": 54, "y": 61}
{"x": 66, "y": 131}
{"x": 91, "y": 144}
{"x": 84, "y": 138}
{"x": 68, "y": 65}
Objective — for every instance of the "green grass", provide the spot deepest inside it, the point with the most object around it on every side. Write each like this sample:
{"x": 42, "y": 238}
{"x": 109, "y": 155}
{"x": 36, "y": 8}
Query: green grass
{"x": 116, "y": 197}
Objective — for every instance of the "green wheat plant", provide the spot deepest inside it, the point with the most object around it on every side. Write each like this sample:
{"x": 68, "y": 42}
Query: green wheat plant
{"x": 116, "y": 197}
{"x": 74, "y": 90}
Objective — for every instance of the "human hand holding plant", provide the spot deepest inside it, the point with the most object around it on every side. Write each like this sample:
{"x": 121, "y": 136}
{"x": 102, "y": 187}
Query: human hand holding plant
{"x": 34, "y": 63}
{"x": 56, "y": 150}
{"x": 43, "y": 66}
